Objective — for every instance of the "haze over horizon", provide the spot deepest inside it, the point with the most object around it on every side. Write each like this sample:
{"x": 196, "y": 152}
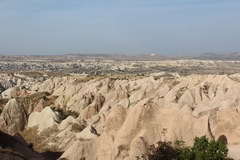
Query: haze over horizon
{"x": 169, "y": 27}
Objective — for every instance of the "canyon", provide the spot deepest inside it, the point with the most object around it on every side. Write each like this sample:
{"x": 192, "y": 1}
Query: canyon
{"x": 115, "y": 117}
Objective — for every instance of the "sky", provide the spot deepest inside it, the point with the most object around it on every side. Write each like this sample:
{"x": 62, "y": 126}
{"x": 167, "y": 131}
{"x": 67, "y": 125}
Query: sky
{"x": 166, "y": 27}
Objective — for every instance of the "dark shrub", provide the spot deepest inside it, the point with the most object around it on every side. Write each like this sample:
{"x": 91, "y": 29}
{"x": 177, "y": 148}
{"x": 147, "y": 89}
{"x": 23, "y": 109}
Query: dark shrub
{"x": 203, "y": 149}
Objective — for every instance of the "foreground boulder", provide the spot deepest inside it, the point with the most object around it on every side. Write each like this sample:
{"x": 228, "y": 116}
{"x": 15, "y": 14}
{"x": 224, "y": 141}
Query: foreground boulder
{"x": 44, "y": 119}
{"x": 13, "y": 118}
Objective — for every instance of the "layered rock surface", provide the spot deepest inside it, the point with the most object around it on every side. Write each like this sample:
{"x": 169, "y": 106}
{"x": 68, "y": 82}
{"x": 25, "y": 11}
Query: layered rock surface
{"x": 118, "y": 118}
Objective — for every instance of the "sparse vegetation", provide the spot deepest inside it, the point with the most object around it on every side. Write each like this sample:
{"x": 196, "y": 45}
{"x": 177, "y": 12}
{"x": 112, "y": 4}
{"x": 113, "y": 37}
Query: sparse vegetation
{"x": 32, "y": 74}
{"x": 203, "y": 149}
{"x": 78, "y": 127}
{"x": 65, "y": 113}
{"x": 37, "y": 140}
{"x": 111, "y": 77}
{"x": 180, "y": 93}
{"x": 83, "y": 80}
{"x": 205, "y": 89}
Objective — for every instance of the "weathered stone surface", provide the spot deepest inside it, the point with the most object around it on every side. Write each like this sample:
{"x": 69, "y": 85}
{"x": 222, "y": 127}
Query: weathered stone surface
{"x": 44, "y": 119}
{"x": 115, "y": 119}
{"x": 13, "y": 118}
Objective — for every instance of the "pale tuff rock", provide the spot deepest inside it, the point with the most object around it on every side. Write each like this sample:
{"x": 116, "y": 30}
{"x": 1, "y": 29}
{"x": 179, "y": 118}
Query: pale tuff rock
{"x": 85, "y": 149}
{"x": 66, "y": 123}
{"x": 44, "y": 119}
{"x": 7, "y": 93}
{"x": 7, "y": 82}
{"x": 227, "y": 122}
{"x": 93, "y": 107}
{"x": 182, "y": 107}
{"x": 117, "y": 119}
{"x": 13, "y": 118}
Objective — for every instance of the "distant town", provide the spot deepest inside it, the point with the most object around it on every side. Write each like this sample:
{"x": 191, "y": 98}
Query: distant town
{"x": 122, "y": 64}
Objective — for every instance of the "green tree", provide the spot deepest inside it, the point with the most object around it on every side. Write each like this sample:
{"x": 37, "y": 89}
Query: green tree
{"x": 203, "y": 149}
{"x": 216, "y": 150}
{"x": 213, "y": 150}
{"x": 199, "y": 147}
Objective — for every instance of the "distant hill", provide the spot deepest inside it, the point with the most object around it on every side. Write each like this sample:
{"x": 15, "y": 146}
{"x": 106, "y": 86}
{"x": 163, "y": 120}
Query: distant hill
{"x": 215, "y": 56}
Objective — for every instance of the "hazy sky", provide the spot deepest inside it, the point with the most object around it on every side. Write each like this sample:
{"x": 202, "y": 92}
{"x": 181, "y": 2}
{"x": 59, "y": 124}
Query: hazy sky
{"x": 119, "y": 26}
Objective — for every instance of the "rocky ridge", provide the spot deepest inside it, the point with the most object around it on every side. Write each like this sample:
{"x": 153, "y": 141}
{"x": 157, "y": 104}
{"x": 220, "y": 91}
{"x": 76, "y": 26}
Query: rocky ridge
{"x": 111, "y": 118}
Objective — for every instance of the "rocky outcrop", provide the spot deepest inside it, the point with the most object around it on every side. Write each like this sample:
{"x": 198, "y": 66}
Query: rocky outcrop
{"x": 13, "y": 118}
{"x": 135, "y": 113}
{"x": 44, "y": 119}
{"x": 14, "y": 114}
{"x": 111, "y": 118}
{"x": 2, "y": 89}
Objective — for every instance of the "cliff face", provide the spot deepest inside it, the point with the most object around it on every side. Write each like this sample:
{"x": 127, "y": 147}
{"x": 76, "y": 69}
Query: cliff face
{"x": 118, "y": 118}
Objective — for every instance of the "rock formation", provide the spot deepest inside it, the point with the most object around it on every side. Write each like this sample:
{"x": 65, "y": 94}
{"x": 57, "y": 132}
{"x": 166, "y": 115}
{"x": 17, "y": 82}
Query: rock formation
{"x": 13, "y": 118}
{"x": 116, "y": 119}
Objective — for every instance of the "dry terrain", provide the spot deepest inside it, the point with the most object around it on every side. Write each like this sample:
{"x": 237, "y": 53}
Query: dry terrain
{"x": 119, "y": 116}
{"x": 118, "y": 112}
